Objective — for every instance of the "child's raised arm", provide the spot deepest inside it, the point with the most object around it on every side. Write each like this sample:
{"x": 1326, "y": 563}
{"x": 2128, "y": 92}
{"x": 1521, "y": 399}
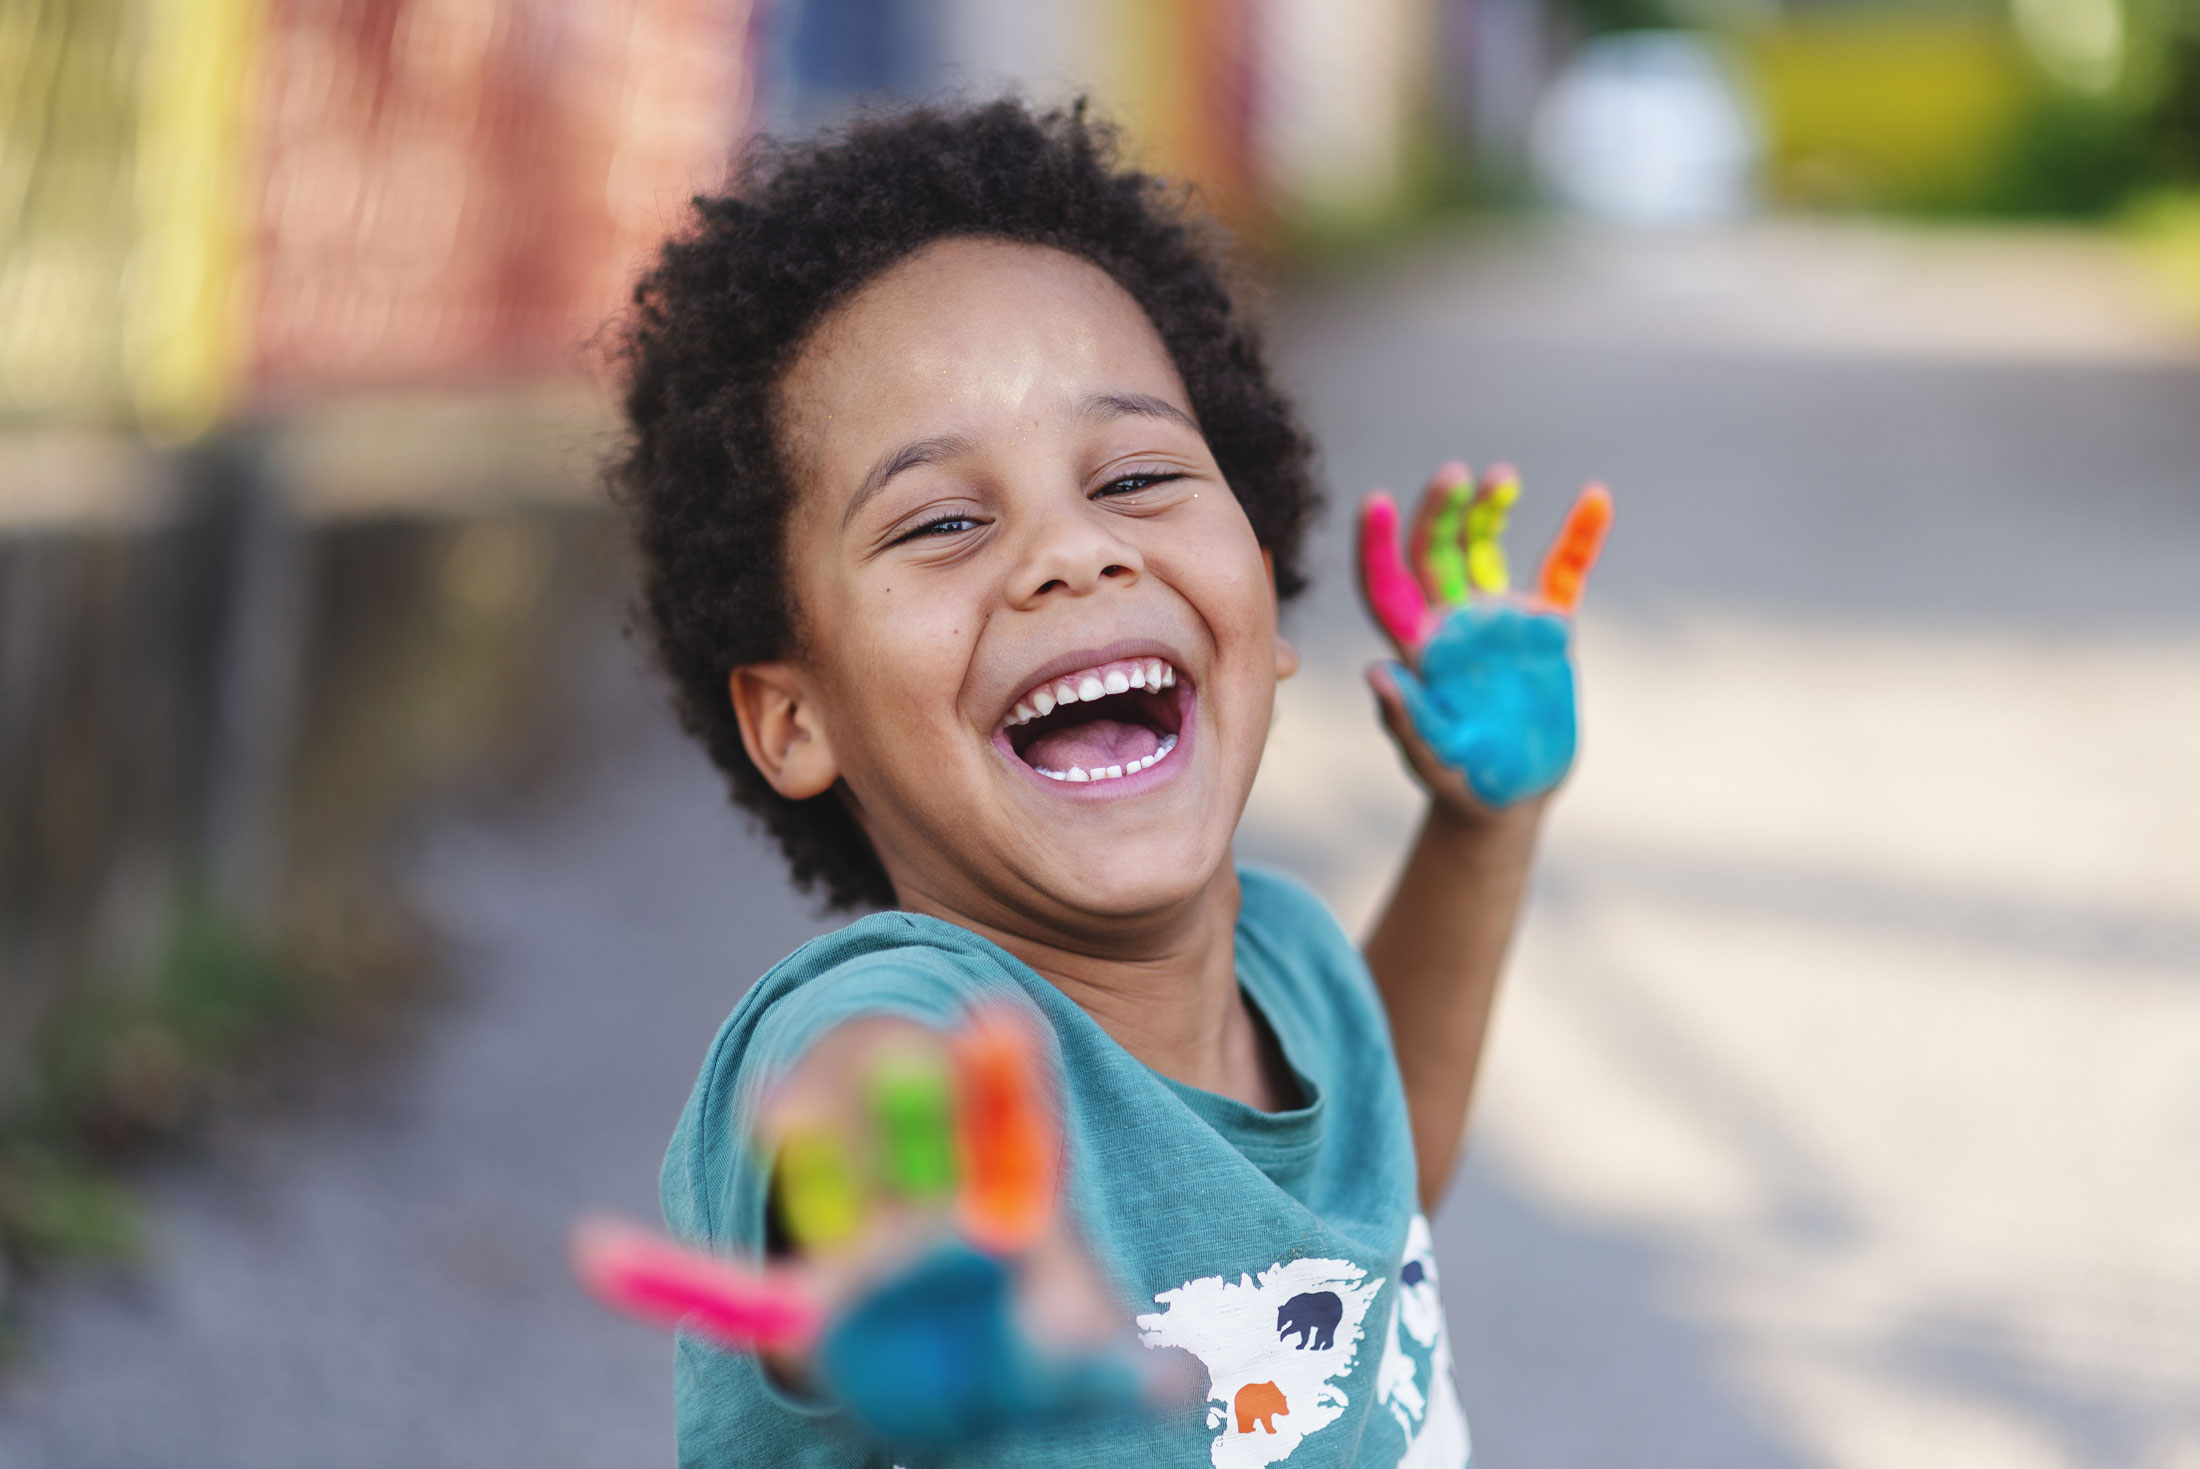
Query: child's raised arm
{"x": 1482, "y": 706}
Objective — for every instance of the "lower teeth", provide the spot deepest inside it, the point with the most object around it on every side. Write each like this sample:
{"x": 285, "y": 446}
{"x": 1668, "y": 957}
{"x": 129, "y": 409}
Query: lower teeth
{"x": 1111, "y": 772}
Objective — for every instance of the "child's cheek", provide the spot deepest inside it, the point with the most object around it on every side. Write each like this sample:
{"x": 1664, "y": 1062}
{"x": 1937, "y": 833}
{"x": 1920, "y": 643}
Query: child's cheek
{"x": 1242, "y": 607}
{"x": 1223, "y": 574}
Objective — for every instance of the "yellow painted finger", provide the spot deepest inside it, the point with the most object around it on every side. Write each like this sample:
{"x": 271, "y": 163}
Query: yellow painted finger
{"x": 1487, "y": 571}
{"x": 820, "y": 1198}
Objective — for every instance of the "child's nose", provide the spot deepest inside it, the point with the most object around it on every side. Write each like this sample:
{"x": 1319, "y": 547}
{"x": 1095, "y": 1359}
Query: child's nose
{"x": 1074, "y": 555}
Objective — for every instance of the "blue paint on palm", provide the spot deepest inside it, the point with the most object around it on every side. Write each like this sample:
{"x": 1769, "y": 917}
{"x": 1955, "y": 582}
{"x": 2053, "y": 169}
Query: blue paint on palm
{"x": 1495, "y": 699}
{"x": 935, "y": 1357}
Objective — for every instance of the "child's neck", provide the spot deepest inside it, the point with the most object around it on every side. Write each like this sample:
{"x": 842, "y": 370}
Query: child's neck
{"x": 1169, "y": 995}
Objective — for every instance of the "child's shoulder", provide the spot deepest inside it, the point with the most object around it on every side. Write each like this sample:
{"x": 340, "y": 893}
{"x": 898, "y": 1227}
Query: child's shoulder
{"x": 894, "y": 959}
{"x": 900, "y": 964}
{"x": 903, "y": 965}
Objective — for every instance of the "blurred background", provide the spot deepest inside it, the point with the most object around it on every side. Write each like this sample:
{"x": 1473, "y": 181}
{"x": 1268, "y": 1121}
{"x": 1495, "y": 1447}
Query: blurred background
{"x": 362, "y": 917}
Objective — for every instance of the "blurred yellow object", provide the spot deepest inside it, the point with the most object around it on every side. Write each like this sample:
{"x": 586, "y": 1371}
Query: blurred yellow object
{"x": 195, "y": 90}
{"x": 64, "y": 231}
{"x": 2167, "y": 229}
{"x": 1179, "y": 78}
{"x": 121, "y": 192}
{"x": 209, "y": 203}
{"x": 1874, "y": 109}
{"x": 1297, "y": 112}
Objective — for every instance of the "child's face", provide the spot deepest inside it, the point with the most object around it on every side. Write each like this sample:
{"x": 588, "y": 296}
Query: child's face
{"x": 1000, "y": 491}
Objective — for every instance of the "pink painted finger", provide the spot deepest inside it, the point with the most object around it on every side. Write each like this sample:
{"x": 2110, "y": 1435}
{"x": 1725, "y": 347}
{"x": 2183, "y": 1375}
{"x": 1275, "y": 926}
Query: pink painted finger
{"x": 1392, "y": 592}
{"x": 642, "y": 1274}
{"x": 1580, "y": 541}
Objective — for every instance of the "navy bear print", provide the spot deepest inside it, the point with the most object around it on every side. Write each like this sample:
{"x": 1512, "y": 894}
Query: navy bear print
{"x": 1314, "y": 1316}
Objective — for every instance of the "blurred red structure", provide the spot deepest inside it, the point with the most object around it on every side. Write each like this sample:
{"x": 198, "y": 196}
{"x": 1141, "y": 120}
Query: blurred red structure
{"x": 231, "y": 206}
{"x": 459, "y": 189}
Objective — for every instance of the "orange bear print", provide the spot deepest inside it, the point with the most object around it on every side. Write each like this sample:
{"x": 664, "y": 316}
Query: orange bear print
{"x": 1262, "y": 1403}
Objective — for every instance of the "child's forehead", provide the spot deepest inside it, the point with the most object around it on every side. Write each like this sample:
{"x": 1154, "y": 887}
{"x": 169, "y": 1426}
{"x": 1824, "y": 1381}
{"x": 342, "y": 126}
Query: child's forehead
{"x": 963, "y": 308}
{"x": 967, "y": 334}
{"x": 949, "y": 272}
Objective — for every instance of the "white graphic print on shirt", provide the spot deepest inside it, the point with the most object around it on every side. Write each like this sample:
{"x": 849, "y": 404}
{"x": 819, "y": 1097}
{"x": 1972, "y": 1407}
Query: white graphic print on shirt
{"x": 1275, "y": 1349}
{"x": 1414, "y": 1378}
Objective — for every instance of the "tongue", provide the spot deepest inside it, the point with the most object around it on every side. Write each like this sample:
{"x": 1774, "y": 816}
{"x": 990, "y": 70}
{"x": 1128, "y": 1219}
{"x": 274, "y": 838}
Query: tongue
{"x": 1093, "y": 745}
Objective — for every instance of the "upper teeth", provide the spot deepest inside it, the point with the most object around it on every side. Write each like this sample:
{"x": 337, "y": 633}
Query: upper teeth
{"x": 1093, "y": 683}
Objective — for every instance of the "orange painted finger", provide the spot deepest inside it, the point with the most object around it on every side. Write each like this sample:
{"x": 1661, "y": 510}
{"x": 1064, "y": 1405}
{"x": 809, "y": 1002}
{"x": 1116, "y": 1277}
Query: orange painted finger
{"x": 1009, "y": 1146}
{"x": 1580, "y": 541}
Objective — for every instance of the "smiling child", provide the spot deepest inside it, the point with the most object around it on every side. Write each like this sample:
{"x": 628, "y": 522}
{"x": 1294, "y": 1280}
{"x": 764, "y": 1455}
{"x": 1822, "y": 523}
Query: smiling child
{"x": 966, "y": 505}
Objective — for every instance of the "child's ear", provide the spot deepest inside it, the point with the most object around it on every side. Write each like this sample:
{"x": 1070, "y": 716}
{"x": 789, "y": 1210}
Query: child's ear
{"x": 1287, "y": 657}
{"x": 780, "y": 727}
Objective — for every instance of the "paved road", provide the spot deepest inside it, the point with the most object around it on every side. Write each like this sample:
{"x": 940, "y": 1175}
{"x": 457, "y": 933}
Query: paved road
{"x": 1844, "y": 1096}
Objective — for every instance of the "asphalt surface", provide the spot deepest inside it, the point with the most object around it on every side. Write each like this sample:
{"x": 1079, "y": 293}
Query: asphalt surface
{"x": 1843, "y": 1100}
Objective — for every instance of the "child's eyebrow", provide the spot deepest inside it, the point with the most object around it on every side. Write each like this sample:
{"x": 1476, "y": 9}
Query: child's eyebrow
{"x": 909, "y": 456}
{"x": 1134, "y": 405}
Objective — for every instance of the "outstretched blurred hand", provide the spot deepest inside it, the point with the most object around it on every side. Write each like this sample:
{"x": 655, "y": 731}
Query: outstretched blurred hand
{"x": 1482, "y": 700}
{"x": 934, "y": 1289}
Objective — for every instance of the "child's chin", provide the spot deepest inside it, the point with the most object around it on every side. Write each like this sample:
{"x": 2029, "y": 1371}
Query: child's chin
{"x": 1137, "y": 877}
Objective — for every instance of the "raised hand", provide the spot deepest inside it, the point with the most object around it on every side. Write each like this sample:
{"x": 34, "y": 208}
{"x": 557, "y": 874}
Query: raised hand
{"x": 935, "y": 1290}
{"x": 1482, "y": 702}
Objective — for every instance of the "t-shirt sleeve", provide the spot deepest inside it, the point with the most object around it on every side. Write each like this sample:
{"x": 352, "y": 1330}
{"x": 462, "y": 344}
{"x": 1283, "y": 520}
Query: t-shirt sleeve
{"x": 714, "y": 1185}
{"x": 922, "y": 985}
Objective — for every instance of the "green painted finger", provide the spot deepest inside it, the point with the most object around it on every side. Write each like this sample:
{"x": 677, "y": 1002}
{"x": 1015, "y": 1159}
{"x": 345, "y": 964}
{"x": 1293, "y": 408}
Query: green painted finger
{"x": 913, "y": 1099}
{"x": 820, "y": 1200}
{"x": 1447, "y": 565}
{"x": 1486, "y": 517}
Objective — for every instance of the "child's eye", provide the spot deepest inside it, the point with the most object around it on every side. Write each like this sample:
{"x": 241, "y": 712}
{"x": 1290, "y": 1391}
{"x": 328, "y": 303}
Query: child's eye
{"x": 1131, "y": 484}
{"x": 947, "y": 525}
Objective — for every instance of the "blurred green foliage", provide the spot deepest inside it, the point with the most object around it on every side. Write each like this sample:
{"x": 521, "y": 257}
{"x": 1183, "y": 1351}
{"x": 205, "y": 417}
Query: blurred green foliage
{"x": 123, "y": 1064}
{"x": 435, "y": 668}
{"x": 2075, "y": 156}
{"x": 1959, "y": 105}
{"x": 2090, "y": 151}
{"x": 1596, "y": 16}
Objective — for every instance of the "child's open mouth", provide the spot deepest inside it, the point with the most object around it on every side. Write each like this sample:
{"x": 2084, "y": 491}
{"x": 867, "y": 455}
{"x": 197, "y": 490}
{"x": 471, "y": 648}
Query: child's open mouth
{"x": 1100, "y": 723}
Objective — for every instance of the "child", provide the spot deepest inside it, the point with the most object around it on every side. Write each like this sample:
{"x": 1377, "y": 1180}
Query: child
{"x": 966, "y": 504}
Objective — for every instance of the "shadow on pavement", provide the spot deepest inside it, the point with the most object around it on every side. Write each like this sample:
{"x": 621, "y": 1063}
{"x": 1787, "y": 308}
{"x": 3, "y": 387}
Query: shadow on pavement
{"x": 1566, "y": 1360}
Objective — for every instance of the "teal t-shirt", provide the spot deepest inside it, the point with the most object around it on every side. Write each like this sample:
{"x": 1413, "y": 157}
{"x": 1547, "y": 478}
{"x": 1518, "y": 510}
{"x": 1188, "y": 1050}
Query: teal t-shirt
{"x": 1283, "y": 1250}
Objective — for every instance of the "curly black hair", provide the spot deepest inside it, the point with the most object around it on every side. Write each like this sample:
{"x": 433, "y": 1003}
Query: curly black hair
{"x": 720, "y": 318}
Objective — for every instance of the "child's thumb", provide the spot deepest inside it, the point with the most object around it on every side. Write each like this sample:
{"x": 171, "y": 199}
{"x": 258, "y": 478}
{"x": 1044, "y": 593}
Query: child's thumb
{"x": 1394, "y": 685}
